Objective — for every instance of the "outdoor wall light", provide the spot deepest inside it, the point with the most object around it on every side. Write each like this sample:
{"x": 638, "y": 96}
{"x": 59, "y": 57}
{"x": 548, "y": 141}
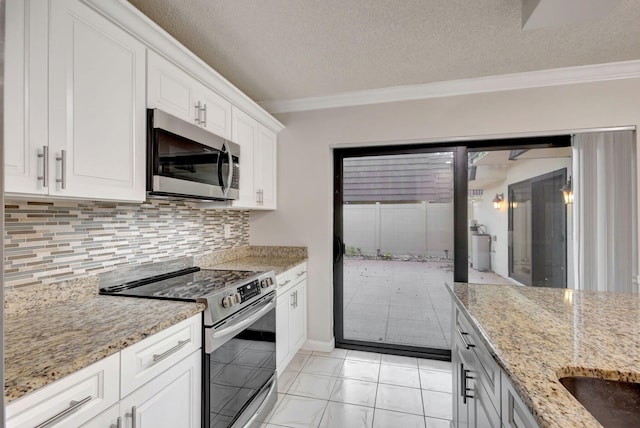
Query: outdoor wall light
{"x": 497, "y": 201}
{"x": 567, "y": 192}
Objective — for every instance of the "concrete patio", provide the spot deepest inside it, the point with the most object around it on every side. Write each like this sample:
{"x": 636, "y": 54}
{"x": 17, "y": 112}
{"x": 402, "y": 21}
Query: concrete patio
{"x": 400, "y": 302}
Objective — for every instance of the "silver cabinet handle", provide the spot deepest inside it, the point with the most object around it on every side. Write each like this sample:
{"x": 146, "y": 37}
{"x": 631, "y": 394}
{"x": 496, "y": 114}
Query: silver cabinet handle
{"x": 463, "y": 336}
{"x": 204, "y": 110}
{"x": 134, "y": 416}
{"x": 63, "y": 169}
{"x": 293, "y": 300}
{"x": 464, "y": 388}
{"x": 73, "y": 406}
{"x": 119, "y": 422}
{"x": 301, "y": 273}
{"x": 285, "y": 283}
{"x": 197, "y": 118}
{"x": 45, "y": 166}
{"x": 180, "y": 345}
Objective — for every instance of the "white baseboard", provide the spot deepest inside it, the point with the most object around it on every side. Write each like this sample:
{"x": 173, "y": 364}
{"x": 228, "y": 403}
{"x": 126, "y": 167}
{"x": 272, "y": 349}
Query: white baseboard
{"x": 319, "y": 345}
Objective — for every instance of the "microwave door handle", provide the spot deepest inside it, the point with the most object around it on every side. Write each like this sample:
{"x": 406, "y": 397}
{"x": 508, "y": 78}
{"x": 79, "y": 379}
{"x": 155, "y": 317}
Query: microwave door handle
{"x": 230, "y": 175}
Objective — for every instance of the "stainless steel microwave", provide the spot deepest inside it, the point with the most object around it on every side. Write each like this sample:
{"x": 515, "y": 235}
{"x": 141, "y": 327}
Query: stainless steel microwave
{"x": 188, "y": 162}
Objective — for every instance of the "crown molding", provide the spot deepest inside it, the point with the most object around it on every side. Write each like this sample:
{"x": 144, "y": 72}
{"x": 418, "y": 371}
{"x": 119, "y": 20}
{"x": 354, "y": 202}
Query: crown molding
{"x": 504, "y": 82}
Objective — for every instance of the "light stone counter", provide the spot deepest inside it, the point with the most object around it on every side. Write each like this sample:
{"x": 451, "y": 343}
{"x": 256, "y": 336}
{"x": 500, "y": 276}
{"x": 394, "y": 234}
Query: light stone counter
{"x": 53, "y": 330}
{"x": 44, "y": 345}
{"x": 538, "y": 335}
{"x": 254, "y": 258}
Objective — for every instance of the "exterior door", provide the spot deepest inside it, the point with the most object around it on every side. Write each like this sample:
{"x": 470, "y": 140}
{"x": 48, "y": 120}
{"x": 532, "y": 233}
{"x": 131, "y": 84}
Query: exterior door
{"x": 395, "y": 250}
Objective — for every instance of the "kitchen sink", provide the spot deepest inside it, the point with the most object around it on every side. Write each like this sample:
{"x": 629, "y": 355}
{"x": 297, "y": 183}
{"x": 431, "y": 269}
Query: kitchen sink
{"x": 613, "y": 403}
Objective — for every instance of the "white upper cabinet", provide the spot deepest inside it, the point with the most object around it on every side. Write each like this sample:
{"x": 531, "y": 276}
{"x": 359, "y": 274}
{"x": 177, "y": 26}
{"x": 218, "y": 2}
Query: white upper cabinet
{"x": 245, "y": 133}
{"x": 257, "y": 162}
{"x": 97, "y": 120}
{"x": 81, "y": 132}
{"x": 25, "y": 130}
{"x": 171, "y": 89}
{"x": 266, "y": 167}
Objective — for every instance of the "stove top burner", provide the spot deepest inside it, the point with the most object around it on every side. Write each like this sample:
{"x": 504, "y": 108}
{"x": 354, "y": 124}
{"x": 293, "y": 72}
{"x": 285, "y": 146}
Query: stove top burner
{"x": 186, "y": 284}
{"x": 224, "y": 291}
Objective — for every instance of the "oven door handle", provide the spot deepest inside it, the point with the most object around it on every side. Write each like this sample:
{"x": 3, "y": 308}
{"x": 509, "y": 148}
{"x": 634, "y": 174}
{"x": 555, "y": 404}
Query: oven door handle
{"x": 270, "y": 391}
{"x": 241, "y": 324}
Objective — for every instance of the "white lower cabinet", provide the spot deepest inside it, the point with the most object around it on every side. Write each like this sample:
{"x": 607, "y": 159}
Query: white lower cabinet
{"x": 291, "y": 314}
{"x": 71, "y": 400}
{"x": 167, "y": 393}
{"x": 172, "y": 399}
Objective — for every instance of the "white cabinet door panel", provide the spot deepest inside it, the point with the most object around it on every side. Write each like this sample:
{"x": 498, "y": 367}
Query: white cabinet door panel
{"x": 172, "y": 399}
{"x": 108, "y": 418}
{"x": 282, "y": 331}
{"x": 169, "y": 88}
{"x": 267, "y": 148}
{"x": 298, "y": 318}
{"x": 25, "y": 97}
{"x": 96, "y": 105}
{"x": 216, "y": 116}
{"x": 245, "y": 133}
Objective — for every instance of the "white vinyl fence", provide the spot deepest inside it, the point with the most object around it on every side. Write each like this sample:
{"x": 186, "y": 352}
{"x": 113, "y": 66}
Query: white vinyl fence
{"x": 419, "y": 229}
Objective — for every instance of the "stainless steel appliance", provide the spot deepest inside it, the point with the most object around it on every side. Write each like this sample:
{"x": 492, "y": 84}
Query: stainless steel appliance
{"x": 239, "y": 360}
{"x": 188, "y": 162}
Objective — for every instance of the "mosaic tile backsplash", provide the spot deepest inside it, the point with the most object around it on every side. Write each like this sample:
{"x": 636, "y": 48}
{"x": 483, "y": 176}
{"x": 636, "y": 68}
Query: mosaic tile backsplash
{"x": 50, "y": 241}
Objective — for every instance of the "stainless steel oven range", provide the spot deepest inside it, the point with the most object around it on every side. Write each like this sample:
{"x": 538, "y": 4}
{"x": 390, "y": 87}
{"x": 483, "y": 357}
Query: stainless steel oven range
{"x": 239, "y": 360}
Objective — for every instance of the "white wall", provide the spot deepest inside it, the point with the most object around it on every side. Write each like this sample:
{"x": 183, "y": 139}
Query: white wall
{"x": 305, "y": 162}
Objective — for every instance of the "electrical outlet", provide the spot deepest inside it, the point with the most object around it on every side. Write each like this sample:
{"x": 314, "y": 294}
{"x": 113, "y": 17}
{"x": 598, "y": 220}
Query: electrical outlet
{"x": 227, "y": 231}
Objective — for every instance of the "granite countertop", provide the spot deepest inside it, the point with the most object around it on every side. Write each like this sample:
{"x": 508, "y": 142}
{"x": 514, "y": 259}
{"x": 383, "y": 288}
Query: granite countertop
{"x": 260, "y": 263}
{"x": 47, "y": 344}
{"x": 53, "y": 330}
{"x": 539, "y": 334}
{"x": 255, "y": 258}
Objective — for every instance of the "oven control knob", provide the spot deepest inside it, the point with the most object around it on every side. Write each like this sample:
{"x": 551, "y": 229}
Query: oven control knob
{"x": 227, "y": 302}
{"x": 264, "y": 283}
{"x": 237, "y": 298}
{"x": 270, "y": 281}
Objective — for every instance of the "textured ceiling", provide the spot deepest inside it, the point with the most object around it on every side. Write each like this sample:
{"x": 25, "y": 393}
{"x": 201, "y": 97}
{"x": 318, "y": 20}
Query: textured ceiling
{"x": 288, "y": 49}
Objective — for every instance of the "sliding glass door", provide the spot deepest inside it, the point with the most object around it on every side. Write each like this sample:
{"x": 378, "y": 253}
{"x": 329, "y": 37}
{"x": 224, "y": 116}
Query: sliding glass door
{"x": 395, "y": 215}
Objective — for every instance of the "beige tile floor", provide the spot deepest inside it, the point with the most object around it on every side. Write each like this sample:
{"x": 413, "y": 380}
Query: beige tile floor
{"x": 362, "y": 390}
{"x": 401, "y": 303}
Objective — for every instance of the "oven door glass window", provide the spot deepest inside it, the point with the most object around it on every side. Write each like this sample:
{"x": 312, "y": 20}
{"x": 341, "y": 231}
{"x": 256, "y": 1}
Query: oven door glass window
{"x": 240, "y": 368}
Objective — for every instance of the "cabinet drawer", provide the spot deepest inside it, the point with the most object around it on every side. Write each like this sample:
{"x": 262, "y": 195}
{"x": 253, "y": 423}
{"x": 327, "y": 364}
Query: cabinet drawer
{"x": 289, "y": 278}
{"x": 148, "y": 358}
{"x": 299, "y": 272}
{"x": 487, "y": 369}
{"x": 72, "y": 400}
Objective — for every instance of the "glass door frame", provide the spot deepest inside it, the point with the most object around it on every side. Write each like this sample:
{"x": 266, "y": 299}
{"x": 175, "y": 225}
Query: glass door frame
{"x": 339, "y": 247}
{"x": 460, "y": 150}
